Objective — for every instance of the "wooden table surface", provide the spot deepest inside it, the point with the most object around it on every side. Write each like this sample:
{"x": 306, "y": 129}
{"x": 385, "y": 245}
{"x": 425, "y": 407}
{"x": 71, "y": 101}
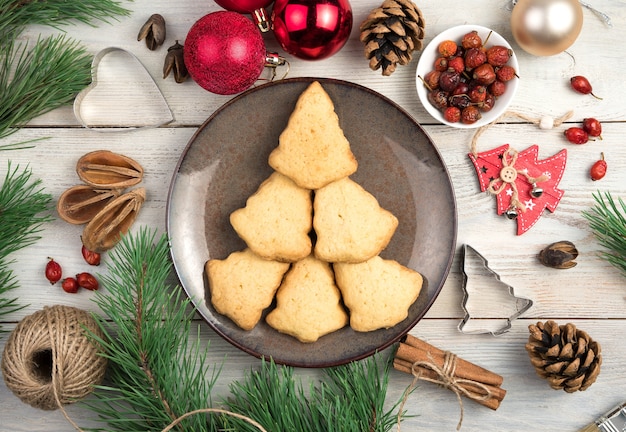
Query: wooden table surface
{"x": 592, "y": 295}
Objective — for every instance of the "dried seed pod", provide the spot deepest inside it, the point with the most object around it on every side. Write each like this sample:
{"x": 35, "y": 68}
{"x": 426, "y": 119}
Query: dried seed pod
{"x": 107, "y": 170}
{"x": 153, "y": 31}
{"x": 79, "y": 204}
{"x": 174, "y": 62}
{"x": 104, "y": 231}
{"x": 559, "y": 255}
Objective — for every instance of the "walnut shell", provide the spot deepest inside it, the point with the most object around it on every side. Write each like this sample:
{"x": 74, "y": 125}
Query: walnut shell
{"x": 104, "y": 231}
{"x": 108, "y": 170}
{"x": 80, "y": 203}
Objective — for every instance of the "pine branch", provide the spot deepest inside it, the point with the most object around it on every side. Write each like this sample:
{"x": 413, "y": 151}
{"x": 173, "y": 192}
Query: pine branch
{"x": 350, "y": 398}
{"x": 37, "y": 80}
{"x": 17, "y": 14}
{"x": 608, "y": 222}
{"x": 24, "y": 208}
{"x": 156, "y": 373}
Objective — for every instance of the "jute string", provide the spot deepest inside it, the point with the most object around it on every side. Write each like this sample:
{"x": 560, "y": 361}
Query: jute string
{"x": 446, "y": 378}
{"x": 49, "y": 362}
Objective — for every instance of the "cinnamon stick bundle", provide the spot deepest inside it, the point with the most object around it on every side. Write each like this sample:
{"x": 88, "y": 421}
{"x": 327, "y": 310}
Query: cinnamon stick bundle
{"x": 415, "y": 356}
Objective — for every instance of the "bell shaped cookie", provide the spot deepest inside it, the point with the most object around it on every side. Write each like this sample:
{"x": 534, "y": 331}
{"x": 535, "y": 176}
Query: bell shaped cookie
{"x": 308, "y": 302}
{"x": 312, "y": 150}
{"x": 277, "y": 220}
{"x": 243, "y": 285}
{"x": 377, "y": 292}
{"x": 350, "y": 224}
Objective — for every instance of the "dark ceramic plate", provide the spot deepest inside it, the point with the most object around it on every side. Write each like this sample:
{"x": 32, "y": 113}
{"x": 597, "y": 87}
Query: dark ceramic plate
{"x": 225, "y": 162}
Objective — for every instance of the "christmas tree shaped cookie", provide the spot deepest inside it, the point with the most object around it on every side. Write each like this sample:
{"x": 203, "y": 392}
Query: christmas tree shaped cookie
{"x": 243, "y": 285}
{"x": 276, "y": 221}
{"x": 349, "y": 223}
{"x": 312, "y": 150}
{"x": 308, "y": 302}
{"x": 378, "y": 292}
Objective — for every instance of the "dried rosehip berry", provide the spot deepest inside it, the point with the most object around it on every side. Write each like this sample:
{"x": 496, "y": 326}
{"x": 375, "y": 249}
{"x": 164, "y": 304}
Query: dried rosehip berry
{"x": 87, "y": 281}
{"x": 474, "y": 57}
{"x": 598, "y": 169}
{"x": 438, "y": 98}
{"x": 462, "y": 88}
{"x": 505, "y": 73}
{"x": 470, "y": 115}
{"x": 447, "y": 48}
{"x": 457, "y": 63}
{"x": 53, "y": 271}
{"x": 484, "y": 74}
{"x": 431, "y": 79}
{"x": 70, "y": 285}
{"x": 593, "y": 127}
{"x": 471, "y": 40}
{"x": 441, "y": 64}
{"x": 460, "y": 101}
{"x": 91, "y": 258}
{"x": 576, "y": 135}
{"x": 452, "y": 114}
{"x": 498, "y": 55}
{"x": 489, "y": 102}
{"x": 449, "y": 80}
{"x": 582, "y": 85}
{"x": 477, "y": 93}
{"x": 497, "y": 88}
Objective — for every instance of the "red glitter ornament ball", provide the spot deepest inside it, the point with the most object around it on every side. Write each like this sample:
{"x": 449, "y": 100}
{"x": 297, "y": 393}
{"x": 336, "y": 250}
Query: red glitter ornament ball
{"x": 312, "y": 29}
{"x": 224, "y": 52}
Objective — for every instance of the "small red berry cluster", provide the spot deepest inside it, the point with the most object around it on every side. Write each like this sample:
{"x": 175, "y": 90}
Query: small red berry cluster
{"x": 54, "y": 273}
{"x": 591, "y": 128}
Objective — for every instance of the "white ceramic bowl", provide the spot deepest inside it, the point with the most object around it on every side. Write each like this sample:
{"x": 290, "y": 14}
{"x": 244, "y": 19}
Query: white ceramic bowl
{"x": 427, "y": 61}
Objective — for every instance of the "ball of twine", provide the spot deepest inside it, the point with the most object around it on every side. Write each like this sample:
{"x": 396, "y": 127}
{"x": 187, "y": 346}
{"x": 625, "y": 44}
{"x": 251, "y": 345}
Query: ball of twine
{"x": 49, "y": 359}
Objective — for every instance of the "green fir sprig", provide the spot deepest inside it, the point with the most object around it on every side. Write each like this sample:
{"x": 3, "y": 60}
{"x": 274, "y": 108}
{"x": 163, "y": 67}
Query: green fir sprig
{"x": 158, "y": 370}
{"x": 17, "y": 14}
{"x": 34, "y": 81}
{"x": 607, "y": 219}
{"x": 24, "y": 208}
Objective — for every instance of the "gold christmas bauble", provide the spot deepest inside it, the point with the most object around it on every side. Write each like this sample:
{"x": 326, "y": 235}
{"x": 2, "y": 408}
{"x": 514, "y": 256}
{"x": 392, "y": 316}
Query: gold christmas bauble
{"x": 546, "y": 27}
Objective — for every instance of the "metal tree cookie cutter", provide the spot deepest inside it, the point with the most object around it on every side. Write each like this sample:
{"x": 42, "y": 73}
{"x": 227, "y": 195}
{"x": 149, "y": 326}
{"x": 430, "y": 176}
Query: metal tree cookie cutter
{"x": 121, "y": 96}
{"x": 487, "y": 301}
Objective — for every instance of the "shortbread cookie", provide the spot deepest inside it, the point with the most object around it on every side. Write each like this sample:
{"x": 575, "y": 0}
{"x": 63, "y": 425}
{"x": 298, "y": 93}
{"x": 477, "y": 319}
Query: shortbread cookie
{"x": 313, "y": 150}
{"x": 377, "y": 292}
{"x": 277, "y": 220}
{"x": 243, "y": 285}
{"x": 308, "y": 302}
{"x": 349, "y": 223}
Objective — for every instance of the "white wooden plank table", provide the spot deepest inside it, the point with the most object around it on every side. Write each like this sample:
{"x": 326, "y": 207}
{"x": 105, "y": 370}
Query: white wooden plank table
{"x": 592, "y": 295}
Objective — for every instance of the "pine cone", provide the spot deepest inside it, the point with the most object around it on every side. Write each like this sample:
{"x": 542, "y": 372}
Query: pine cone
{"x": 391, "y": 33}
{"x": 568, "y": 358}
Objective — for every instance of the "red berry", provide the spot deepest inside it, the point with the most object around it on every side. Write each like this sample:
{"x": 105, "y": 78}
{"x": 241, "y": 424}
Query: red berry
{"x": 592, "y": 127}
{"x": 484, "y": 74}
{"x": 452, "y": 114}
{"x": 70, "y": 285}
{"x": 497, "y": 88}
{"x": 471, "y": 40}
{"x": 87, "y": 281}
{"x": 505, "y": 73}
{"x": 474, "y": 57}
{"x": 598, "y": 169}
{"x": 53, "y": 271}
{"x": 470, "y": 115}
{"x": 576, "y": 135}
{"x": 498, "y": 55}
{"x": 447, "y": 48}
{"x": 457, "y": 63}
{"x": 441, "y": 64}
{"x": 91, "y": 258}
{"x": 582, "y": 85}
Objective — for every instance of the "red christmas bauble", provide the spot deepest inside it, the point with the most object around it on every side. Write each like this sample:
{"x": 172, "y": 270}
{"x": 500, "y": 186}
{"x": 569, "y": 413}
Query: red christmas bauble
{"x": 224, "y": 52}
{"x": 312, "y": 29}
{"x": 243, "y": 6}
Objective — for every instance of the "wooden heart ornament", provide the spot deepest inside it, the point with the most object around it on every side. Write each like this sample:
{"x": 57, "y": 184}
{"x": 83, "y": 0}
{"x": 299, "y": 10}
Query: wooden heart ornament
{"x": 121, "y": 96}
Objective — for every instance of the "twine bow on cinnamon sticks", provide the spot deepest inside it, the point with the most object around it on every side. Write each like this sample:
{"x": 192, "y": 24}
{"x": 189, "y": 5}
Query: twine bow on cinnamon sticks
{"x": 428, "y": 363}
